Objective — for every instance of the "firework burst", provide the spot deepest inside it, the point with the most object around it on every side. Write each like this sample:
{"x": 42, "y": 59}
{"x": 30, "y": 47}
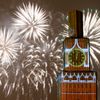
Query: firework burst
{"x": 37, "y": 64}
{"x": 36, "y": 68}
{"x": 22, "y": 77}
{"x": 91, "y": 30}
{"x": 31, "y": 21}
{"x": 47, "y": 57}
{"x": 9, "y": 45}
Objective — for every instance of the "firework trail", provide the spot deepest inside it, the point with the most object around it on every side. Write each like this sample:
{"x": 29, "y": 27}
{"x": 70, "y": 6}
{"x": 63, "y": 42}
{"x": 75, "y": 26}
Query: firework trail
{"x": 91, "y": 30}
{"x": 31, "y": 21}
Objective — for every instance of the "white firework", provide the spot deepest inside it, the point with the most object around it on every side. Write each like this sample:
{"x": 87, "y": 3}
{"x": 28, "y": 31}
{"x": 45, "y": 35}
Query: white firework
{"x": 31, "y": 21}
{"x": 36, "y": 67}
{"x": 22, "y": 76}
{"x": 38, "y": 63}
{"x": 9, "y": 45}
{"x": 48, "y": 57}
{"x": 91, "y": 30}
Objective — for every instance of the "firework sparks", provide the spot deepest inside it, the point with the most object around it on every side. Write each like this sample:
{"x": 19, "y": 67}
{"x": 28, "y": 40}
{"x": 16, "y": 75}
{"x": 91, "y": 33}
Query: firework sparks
{"x": 24, "y": 77}
{"x": 31, "y": 21}
{"x": 36, "y": 67}
{"x": 49, "y": 58}
{"x": 9, "y": 45}
{"x": 91, "y": 30}
{"x": 38, "y": 63}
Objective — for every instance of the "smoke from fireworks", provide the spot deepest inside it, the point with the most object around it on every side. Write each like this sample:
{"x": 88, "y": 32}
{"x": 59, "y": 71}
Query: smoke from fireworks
{"x": 31, "y": 21}
{"x": 91, "y": 30}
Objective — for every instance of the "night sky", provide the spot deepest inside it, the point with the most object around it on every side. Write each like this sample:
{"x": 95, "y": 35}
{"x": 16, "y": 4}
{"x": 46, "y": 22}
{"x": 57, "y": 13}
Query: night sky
{"x": 7, "y": 7}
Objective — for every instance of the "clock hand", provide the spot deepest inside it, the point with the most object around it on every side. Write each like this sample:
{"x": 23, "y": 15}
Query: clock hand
{"x": 76, "y": 55}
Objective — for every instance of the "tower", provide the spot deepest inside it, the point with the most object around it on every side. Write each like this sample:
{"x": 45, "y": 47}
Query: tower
{"x": 78, "y": 80}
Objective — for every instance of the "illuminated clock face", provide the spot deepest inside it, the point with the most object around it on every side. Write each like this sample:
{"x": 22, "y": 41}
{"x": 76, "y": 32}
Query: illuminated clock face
{"x": 76, "y": 57}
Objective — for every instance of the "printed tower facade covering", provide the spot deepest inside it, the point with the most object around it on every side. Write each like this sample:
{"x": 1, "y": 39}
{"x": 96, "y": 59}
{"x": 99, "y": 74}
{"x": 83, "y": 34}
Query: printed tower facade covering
{"x": 78, "y": 80}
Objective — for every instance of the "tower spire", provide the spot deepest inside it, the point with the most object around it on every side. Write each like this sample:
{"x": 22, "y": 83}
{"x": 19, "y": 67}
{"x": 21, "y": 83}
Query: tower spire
{"x": 75, "y": 18}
